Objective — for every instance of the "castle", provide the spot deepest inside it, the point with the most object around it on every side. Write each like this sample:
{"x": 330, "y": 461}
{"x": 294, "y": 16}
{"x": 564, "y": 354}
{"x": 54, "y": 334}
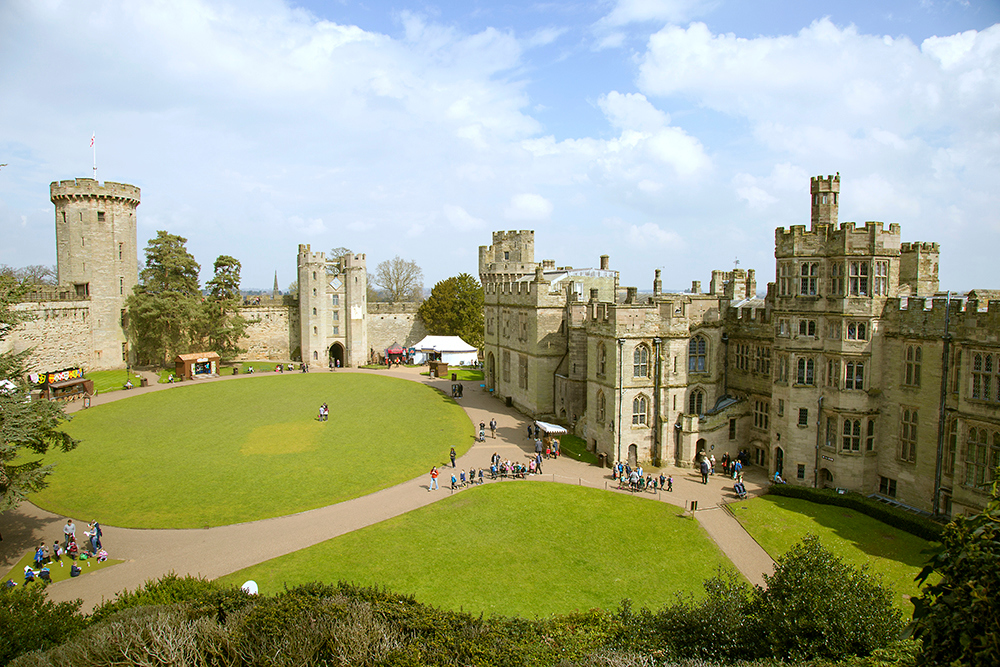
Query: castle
{"x": 80, "y": 322}
{"x": 853, "y": 371}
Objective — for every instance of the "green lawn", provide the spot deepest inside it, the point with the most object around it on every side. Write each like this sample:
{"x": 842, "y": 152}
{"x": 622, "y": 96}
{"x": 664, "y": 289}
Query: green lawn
{"x": 777, "y": 523}
{"x": 576, "y": 448}
{"x": 58, "y": 573}
{"x": 105, "y": 381}
{"x": 516, "y": 547}
{"x": 462, "y": 374}
{"x": 208, "y": 454}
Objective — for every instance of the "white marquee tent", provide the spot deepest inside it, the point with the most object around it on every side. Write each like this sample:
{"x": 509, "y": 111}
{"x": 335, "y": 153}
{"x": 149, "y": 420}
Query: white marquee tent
{"x": 452, "y": 350}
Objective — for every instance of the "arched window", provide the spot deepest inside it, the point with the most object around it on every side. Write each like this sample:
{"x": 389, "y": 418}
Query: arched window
{"x": 601, "y": 406}
{"x": 640, "y": 406}
{"x": 602, "y": 358}
{"x": 696, "y": 402}
{"x": 914, "y": 357}
{"x": 640, "y": 362}
{"x": 698, "y": 355}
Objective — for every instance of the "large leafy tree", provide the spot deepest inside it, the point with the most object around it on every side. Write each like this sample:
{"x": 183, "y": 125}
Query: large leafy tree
{"x": 399, "y": 280}
{"x": 958, "y": 618}
{"x": 455, "y": 308}
{"x": 26, "y": 427}
{"x": 165, "y": 308}
{"x": 223, "y": 324}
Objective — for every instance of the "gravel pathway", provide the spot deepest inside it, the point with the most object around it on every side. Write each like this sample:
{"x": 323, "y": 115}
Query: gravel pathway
{"x": 213, "y": 552}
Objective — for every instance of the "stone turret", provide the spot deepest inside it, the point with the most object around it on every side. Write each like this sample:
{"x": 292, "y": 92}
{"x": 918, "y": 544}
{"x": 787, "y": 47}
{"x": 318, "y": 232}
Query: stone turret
{"x": 825, "y": 199}
{"x": 97, "y": 257}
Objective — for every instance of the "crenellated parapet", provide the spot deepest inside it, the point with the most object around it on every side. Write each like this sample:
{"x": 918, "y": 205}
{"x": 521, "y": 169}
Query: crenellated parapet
{"x": 926, "y": 318}
{"x": 88, "y": 187}
{"x": 828, "y": 240}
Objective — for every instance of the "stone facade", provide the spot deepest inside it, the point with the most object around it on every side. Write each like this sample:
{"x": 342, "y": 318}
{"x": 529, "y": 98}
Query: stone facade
{"x": 79, "y": 322}
{"x": 853, "y": 371}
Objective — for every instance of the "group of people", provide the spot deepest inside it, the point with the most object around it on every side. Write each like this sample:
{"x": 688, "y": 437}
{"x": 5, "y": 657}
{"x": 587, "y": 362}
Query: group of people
{"x": 633, "y": 479}
{"x": 482, "y": 431}
{"x": 499, "y": 469}
{"x": 44, "y": 556}
{"x": 324, "y": 413}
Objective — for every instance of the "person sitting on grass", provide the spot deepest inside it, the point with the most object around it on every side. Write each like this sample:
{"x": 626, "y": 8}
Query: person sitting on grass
{"x": 45, "y": 575}
{"x": 72, "y": 549}
{"x": 29, "y": 575}
{"x": 75, "y": 570}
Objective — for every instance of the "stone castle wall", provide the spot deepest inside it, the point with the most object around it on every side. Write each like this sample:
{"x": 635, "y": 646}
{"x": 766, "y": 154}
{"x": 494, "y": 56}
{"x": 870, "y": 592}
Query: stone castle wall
{"x": 59, "y": 331}
{"x": 390, "y": 323}
{"x": 272, "y": 331}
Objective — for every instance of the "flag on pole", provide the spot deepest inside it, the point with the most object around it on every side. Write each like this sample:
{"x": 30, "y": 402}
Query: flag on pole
{"x": 92, "y": 137}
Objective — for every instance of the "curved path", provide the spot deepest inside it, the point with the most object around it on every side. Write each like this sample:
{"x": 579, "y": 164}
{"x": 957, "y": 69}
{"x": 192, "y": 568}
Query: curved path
{"x": 214, "y": 552}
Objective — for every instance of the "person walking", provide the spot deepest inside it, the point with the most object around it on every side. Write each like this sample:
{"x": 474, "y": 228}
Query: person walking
{"x": 452, "y": 455}
{"x": 434, "y": 479}
{"x": 493, "y": 427}
{"x": 529, "y": 431}
{"x": 704, "y": 471}
{"x": 670, "y": 483}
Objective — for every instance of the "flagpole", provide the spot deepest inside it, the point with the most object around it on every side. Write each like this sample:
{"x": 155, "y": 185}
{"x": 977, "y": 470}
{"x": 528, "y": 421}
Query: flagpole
{"x": 93, "y": 144}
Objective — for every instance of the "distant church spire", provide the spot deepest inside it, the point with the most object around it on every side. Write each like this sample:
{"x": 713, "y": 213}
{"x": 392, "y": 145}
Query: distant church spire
{"x": 276, "y": 293}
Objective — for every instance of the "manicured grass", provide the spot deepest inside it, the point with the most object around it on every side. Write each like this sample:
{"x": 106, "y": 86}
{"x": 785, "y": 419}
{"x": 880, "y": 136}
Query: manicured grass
{"x": 105, "y": 381}
{"x": 208, "y": 454}
{"x": 777, "y": 523}
{"x": 516, "y": 547}
{"x": 57, "y": 573}
{"x": 462, "y": 374}
{"x": 576, "y": 448}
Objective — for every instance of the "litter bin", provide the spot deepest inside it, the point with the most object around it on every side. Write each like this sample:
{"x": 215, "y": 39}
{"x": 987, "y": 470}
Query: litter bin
{"x": 601, "y": 460}
{"x": 143, "y": 382}
{"x": 454, "y": 377}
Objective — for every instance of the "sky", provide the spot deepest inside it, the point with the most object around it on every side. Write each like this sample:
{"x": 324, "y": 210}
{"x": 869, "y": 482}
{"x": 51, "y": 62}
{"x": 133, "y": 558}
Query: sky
{"x": 668, "y": 134}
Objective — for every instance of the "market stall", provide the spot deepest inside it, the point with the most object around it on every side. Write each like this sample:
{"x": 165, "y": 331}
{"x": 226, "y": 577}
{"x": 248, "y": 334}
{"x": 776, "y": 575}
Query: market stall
{"x": 196, "y": 365}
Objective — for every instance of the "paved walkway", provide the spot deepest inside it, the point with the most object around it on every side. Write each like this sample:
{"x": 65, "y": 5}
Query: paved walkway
{"x": 214, "y": 552}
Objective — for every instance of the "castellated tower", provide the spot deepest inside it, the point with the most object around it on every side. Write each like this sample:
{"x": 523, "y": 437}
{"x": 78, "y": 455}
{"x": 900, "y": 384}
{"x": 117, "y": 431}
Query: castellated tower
{"x": 825, "y": 199}
{"x": 333, "y": 304}
{"x": 97, "y": 258}
{"x": 511, "y": 256}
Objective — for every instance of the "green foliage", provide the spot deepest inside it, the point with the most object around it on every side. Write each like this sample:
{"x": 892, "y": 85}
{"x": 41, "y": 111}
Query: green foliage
{"x": 207, "y": 595}
{"x": 817, "y": 606}
{"x": 455, "y": 308}
{"x": 25, "y": 425}
{"x": 164, "y": 310}
{"x": 399, "y": 279}
{"x": 915, "y": 525}
{"x": 31, "y": 622}
{"x": 958, "y": 618}
{"x": 223, "y": 326}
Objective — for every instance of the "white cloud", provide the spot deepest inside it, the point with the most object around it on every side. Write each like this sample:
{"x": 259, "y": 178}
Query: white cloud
{"x": 461, "y": 220}
{"x": 651, "y": 233}
{"x": 528, "y": 207}
{"x": 663, "y": 11}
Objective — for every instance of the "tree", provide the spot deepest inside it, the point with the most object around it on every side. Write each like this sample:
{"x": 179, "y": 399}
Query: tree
{"x": 455, "y": 308}
{"x": 958, "y": 618}
{"x": 33, "y": 274}
{"x": 399, "y": 280}
{"x": 165, "y": 308}
{"x": 26, "y": 427}
{"x": 223, "y": 324}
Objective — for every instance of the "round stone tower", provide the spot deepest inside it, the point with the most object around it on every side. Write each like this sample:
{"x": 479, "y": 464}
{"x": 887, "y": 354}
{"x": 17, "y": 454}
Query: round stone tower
{"x": 97, "y": 257}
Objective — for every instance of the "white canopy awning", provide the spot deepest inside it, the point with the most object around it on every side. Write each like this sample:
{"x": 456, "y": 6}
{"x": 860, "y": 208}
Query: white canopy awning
{"x": 551, "y": 429}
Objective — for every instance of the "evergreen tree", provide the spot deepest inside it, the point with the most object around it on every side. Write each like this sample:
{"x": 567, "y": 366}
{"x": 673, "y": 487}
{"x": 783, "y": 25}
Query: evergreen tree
{"x": 455, "y": 308}
{"x": 165, "y": 308}
{"x": 26, "y": 427}
{"x": 223, "y": 324}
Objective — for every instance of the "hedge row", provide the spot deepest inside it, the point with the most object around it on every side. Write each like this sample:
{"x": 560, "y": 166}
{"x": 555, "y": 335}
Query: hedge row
{"x": 911, "y": 523}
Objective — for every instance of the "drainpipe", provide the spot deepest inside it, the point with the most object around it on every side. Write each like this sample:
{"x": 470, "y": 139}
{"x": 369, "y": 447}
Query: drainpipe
{"x": 725, "y": 364}
{"x": 657, "y": 443}
{"x": 621, "y": 347}
{"x": 819, "y": 434}
{"x": 945, "y": 354}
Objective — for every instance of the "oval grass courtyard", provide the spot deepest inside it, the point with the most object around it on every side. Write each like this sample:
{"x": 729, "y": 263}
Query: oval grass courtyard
{"x": 251, "y": 448}
{"x": 515, "y": 548}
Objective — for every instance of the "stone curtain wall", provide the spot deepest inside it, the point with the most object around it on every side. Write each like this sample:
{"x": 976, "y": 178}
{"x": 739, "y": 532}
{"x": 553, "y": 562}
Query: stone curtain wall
{"x": 59, "y": 332}
{"x": 272, "y": 332}
{"x": 390, "y": 323}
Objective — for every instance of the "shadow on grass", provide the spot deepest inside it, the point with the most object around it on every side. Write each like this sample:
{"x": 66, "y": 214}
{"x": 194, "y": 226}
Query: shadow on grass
{"x": 19, "y": 532}
{"x": 879, "y": 541}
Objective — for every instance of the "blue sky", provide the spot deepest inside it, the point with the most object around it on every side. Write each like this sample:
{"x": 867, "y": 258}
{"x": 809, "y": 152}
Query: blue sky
{"x": 671, "y": 134}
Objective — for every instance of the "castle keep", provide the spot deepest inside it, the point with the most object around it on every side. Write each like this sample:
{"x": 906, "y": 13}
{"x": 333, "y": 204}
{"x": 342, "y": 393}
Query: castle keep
{"x": 80, "y": 321}
{"x": 853, "y": 371}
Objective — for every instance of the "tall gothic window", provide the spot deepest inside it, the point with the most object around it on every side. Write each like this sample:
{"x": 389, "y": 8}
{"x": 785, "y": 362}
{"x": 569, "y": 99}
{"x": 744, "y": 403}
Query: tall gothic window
{"x": 852, "y": 436}
{"x": 808, "y": 278}
{"x": 858, "y": 278}
{"x": 640, "y": 407}
{"x": 696, "y": 402}
{"x": 913, "y": 359}
{"x": 602, "y": 359}
{"x": 908, "y": 436}
{"x": 985, "y": 374}
{"x": 981, "y": 459}
{"x": 854, "y": 377}
{"x": 805, "y": 371}
{"x": 880, "y": 279}
{"x": 698, "y": 355}
{"x": 640, "y": 361}
{"x": 601, "y": 407}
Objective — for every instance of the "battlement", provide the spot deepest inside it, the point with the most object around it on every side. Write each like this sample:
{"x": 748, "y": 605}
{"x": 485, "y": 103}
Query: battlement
{"x": 829, "y": 240}
{"x": 79, "y": 188}
{"x": 818, "y": 184}
{"x": 919, "y": 246}
{"x": 306, "y": 256}
{"x": 923, "y": 316}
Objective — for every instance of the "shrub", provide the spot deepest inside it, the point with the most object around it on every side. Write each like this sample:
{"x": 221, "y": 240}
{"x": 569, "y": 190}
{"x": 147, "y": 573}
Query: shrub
{"x": 958, "y": 618}
{"x": 911, "y": 523}
{"x": 206, "y": 597}
{"x": 817, "y": 606}
{"x": 30, "y": 621}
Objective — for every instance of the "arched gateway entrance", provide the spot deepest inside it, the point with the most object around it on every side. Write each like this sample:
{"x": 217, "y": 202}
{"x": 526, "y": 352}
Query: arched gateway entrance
{"x": 337, "y": 355}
